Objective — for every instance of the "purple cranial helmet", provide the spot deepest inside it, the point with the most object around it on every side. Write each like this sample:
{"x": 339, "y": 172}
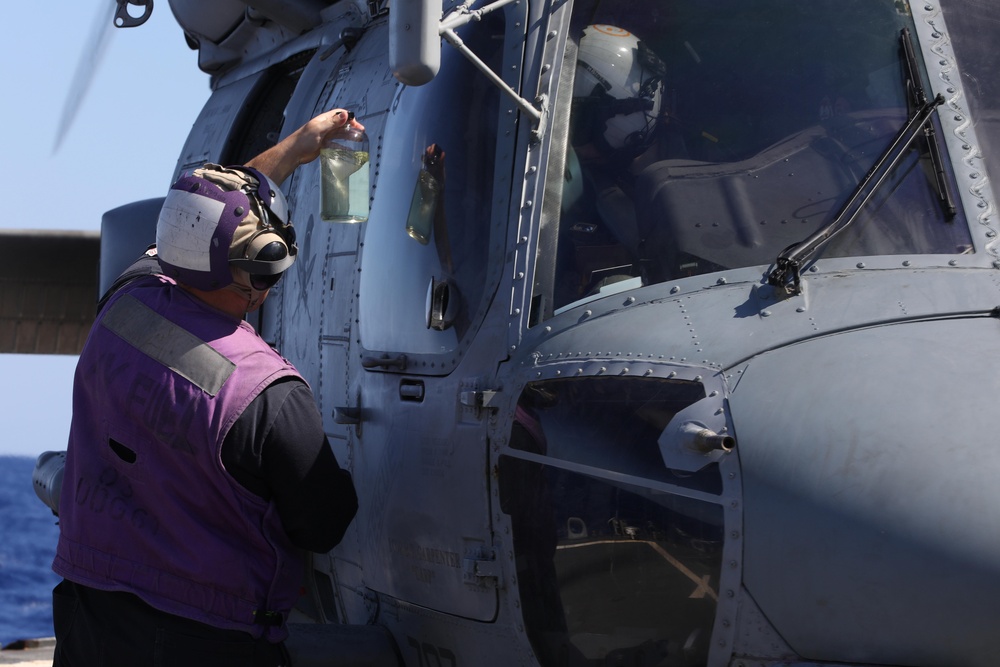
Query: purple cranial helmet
{"x": 219, "y": 217}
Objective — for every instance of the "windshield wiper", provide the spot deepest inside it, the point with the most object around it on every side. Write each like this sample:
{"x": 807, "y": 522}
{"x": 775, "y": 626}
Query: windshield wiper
{"x": 913, "y": 82}
{"x": 788, "y": 265}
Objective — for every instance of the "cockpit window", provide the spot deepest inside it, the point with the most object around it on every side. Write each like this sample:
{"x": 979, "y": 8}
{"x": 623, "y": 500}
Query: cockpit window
{"x": 711, "y": 136}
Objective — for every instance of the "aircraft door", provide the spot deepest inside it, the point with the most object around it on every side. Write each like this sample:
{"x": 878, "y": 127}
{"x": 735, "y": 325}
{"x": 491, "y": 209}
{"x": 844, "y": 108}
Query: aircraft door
{"x": 430, "y": 263}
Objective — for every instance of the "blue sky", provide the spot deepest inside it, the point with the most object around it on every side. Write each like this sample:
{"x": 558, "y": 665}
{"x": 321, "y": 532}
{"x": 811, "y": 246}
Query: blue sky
{"x": 145, "y": 94}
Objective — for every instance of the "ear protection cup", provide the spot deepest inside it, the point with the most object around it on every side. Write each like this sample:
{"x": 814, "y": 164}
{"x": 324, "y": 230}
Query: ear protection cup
{"x": 265, "y": 257}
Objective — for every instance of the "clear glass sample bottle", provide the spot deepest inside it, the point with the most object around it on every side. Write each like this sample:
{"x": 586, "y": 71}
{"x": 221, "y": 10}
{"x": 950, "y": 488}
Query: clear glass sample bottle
{"x": 344, "y": 177}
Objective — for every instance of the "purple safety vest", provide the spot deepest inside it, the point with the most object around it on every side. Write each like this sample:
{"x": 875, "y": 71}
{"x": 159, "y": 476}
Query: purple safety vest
{"x": 147, "y": 506}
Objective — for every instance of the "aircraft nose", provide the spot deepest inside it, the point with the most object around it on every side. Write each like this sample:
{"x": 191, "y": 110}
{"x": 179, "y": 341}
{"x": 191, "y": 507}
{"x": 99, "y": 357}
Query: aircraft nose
{"x": 871, "y": 503}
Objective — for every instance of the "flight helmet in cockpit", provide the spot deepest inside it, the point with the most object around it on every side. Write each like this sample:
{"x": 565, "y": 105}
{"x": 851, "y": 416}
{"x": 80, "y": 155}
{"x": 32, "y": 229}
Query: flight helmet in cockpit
{"x": 618, "y": 91}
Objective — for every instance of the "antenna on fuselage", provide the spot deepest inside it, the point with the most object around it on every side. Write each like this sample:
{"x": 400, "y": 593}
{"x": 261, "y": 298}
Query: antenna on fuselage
{"x": 415, "y": 41}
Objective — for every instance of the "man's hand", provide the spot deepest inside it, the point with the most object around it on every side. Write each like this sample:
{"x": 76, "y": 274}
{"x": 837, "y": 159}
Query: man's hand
{"x": 303, "y": 145}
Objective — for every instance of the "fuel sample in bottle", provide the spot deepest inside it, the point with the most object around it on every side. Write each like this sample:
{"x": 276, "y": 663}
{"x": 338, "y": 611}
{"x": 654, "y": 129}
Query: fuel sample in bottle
{"x": 344, "y": 179}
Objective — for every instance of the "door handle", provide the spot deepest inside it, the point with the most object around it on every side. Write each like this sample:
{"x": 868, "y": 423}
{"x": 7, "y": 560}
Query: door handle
{"x": 387, "y": 361}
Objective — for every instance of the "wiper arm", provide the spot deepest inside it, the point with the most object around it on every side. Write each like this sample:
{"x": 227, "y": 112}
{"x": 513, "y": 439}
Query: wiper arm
{"x": 789, "y": 261}
{"x": 788, "y": 265}
{"x": 915, "y": 86}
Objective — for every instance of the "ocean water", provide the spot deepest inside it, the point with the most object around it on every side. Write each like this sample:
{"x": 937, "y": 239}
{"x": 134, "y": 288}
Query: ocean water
{"x": 28, "y": 534}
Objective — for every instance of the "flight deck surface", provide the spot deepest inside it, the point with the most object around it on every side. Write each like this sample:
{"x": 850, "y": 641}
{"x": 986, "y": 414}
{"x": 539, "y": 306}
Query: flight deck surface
{"x": 29, "y": 653}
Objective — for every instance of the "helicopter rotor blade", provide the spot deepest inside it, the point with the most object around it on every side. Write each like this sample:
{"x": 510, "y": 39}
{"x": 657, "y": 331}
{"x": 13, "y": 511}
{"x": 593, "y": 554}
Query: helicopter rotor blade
{"x": 87, "y": 66}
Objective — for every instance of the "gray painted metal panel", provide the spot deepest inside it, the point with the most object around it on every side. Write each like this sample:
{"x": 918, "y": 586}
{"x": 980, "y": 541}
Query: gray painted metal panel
{"x": 869, "y": 492}
{"x": 719, "y": 324}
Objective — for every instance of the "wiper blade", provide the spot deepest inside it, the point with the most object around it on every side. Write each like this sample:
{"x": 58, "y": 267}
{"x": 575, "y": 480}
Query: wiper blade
{"x": 913, "y": 82}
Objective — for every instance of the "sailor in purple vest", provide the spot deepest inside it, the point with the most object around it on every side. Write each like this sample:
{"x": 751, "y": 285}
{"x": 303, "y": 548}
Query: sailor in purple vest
{"x": 198, "y": 471}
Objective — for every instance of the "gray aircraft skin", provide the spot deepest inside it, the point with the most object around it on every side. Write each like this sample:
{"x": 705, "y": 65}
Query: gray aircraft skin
{"x": 725, "y": 400}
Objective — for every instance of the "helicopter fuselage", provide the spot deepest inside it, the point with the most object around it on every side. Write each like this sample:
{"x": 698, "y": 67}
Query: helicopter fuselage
{"x": 586, "y": 424}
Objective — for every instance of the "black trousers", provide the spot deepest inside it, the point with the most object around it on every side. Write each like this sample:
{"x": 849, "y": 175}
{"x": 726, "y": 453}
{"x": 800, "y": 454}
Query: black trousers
{"x": 111, "y": 629}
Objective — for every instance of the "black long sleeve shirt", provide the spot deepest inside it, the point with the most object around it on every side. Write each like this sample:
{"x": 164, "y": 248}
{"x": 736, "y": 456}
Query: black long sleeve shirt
{"x": 278, "y": 450}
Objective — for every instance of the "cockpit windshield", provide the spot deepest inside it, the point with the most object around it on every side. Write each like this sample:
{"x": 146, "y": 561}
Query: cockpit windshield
{"x": 710, "y": 136}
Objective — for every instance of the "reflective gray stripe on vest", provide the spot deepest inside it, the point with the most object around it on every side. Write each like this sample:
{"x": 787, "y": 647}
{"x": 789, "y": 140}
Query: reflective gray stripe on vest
{"x": 173, "y": 346}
